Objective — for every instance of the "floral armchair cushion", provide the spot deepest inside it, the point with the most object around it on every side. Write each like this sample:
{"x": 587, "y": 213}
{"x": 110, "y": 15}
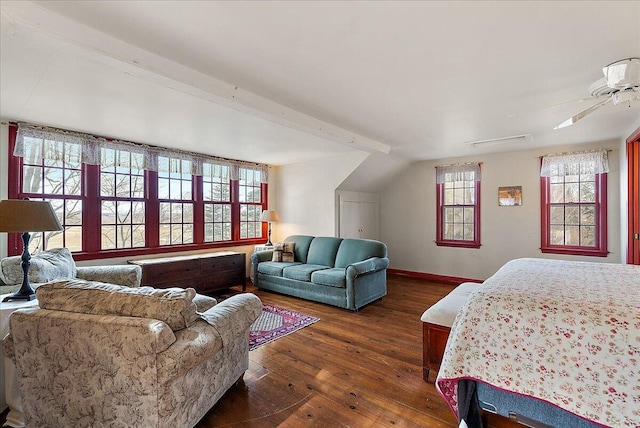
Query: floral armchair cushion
{"x": 174, "y": 306}
{"x": 45, "y": 266}
{"x": 57, "y": 264}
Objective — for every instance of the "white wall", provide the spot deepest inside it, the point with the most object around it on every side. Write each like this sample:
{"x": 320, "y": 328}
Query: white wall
{"x": 307, "y": 195}
{"x": 408, "y": 215}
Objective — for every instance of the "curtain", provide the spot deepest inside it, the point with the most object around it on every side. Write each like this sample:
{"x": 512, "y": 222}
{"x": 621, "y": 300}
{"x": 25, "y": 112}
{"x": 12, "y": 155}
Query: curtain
{"x": 592, "y": 162}
{"x": 458, "y": 172}
{"x": 53, "y": 144}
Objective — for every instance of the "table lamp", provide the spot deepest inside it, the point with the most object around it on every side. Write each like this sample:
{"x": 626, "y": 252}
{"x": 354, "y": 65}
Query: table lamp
{"x": 25, "y": 216}
{"x": 269, "y": 216}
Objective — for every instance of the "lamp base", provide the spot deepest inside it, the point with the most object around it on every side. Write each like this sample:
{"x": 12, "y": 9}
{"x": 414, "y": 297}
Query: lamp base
{"x": 269, "y": 244}
{"x": 21, "y": 295}
{"x": 26, "y": 291}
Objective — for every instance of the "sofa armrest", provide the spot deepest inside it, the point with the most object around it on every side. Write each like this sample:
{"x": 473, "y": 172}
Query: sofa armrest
{"x": 374, "y": 264}
{"x": 204, "y": 303}
{"x": 261, "y": 256}
{"x": 127, "y": 275}
{"x": 233, "y": 316}
{"x": 8, "y": 350}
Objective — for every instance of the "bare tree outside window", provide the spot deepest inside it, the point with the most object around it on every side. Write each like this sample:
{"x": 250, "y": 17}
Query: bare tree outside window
{"x": 573, "y": 208}
{"x": 56, "y": 178}
{"x": 175, "y": 192}
{"x": 122, "y": 184}
{"x": 101, "y": 192}
{"x": 217, "y": 202}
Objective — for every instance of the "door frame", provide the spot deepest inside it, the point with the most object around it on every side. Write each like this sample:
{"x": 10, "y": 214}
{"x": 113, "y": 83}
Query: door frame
{"x": 633, "y": 199}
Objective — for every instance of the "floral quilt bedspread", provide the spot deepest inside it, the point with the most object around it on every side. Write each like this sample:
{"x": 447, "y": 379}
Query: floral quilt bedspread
{"x": 564, "y": 332}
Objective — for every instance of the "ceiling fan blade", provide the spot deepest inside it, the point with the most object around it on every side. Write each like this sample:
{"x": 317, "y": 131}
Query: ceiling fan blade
{"x": 582, "y": 114}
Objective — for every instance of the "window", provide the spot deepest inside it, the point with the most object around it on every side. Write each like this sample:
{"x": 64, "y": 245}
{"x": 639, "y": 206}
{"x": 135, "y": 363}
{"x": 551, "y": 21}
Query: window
{"x": 458, "y": 205}
{"x": 216, "y": 183}
{"x": 117, "y": 199}
{"x": 52, "y": 171}
{"x": 122, "y": 204}
{"x": 250, "y": 203}
{"x": 574, "y": 204}
{"x": 175, "y": 193}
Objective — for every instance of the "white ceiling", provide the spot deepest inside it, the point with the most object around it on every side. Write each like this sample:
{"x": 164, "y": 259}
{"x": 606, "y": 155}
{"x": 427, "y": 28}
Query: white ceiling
{"x": 284, "y": 82}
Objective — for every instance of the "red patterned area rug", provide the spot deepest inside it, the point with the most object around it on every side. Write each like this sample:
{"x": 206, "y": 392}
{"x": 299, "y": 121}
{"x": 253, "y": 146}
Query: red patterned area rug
{"x": 274, "y": 323}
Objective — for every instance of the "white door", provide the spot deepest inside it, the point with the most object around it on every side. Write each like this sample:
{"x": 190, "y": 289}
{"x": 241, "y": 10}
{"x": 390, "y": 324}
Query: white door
{"x": 368, "y": 220}
{"x": 350, "y": 219}
{"x": 358, "y": 215}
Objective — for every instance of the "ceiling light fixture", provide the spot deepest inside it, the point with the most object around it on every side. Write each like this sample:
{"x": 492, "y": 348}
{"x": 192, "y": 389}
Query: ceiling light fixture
{"x": 501, "y": 140}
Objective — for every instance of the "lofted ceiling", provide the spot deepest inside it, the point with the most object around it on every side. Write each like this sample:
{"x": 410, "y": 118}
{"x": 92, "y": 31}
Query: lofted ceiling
{"x": 282, "y": 82}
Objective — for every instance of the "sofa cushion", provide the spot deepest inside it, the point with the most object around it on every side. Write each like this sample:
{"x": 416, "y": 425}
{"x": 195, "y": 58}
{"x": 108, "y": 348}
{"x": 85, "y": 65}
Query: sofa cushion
{"x": 174, "y": 306}
{"x": 283, "y": 252}
{"x": 322, "y": 251}
{"x": 302, "y": 246}
{"x": 301, "y": 272}
{"x": 49, "y": 265}
{"x": 334, "y": 277}
{"x": 357, "y": 250}
{"x": 274, "y": 268}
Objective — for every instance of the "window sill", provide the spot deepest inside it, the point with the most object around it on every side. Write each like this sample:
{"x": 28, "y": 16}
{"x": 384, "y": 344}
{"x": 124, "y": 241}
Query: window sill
{"x": 129, "y": 252}
{"x": 575, "y": 251}
{"x": 458, "y": 244}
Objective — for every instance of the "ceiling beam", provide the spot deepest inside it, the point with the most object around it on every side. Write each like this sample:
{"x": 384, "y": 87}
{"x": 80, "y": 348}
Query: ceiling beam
{"x": 25, "y": 19}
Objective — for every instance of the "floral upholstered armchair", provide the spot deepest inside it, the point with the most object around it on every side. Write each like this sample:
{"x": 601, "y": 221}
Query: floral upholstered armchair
{"x": 56, "y": 264}
{"x": 97, "y": 355}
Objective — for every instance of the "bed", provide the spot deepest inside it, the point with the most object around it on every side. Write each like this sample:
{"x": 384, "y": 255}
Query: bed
{"x": 561, "y": 334}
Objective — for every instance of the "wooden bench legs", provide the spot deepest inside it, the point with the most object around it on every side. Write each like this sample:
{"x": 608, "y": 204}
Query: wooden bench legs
{"x": 434, "y": 341}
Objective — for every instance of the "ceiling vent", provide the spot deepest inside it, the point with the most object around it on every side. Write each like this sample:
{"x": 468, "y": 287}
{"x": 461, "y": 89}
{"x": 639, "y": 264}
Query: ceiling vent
{"x": 523, "y": 138}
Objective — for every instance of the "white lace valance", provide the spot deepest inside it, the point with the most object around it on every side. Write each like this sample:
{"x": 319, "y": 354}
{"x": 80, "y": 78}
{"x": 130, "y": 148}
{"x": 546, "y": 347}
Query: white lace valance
{"x": 458, "y": 172}
{"x": 90, "y": 151}
{"x": 593, "y": 162}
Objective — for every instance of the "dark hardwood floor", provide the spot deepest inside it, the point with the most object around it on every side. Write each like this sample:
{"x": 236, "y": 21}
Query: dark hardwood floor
{"x": 350, "y": 369}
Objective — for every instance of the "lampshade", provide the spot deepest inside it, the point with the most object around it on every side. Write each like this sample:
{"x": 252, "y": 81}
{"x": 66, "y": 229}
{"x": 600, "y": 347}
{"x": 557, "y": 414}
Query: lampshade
{"x": 21, "y": 215}
{"x": 269, "y": 215}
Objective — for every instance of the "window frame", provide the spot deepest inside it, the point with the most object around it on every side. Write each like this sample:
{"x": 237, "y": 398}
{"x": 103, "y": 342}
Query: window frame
{"x": 213, "y": 203}
{"x": 440, "y": 206}
{"x": 63, "y": 197}
{"x": 91, "y": 221}
{"x": 250, "y": 205}
{"x": 117, "y": 199}
{"x": 600, "y": 236}
{"x": 172, "y": 200}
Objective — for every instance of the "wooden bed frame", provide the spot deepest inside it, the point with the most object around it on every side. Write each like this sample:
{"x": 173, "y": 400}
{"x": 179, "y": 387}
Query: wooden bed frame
{"x": 434, "y": 341}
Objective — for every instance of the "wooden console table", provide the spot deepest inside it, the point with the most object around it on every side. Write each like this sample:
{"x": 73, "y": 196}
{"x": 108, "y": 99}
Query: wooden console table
{"x": 206, "y": 272}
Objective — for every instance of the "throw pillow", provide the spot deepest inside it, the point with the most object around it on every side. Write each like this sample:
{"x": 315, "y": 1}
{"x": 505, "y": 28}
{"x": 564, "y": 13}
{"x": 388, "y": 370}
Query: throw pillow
{"x": 283, "y": 252}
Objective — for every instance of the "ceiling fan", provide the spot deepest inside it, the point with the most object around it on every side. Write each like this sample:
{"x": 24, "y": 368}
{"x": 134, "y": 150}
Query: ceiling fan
{"x": 620, "y": 84}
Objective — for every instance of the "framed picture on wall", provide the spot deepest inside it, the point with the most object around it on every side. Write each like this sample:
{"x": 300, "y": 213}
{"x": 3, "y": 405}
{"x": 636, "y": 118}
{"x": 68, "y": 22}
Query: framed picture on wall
{"x": 510, "y": 196}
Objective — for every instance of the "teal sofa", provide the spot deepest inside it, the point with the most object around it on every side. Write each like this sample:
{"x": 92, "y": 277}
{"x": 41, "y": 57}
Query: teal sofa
{"x": 348, "y": 273}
